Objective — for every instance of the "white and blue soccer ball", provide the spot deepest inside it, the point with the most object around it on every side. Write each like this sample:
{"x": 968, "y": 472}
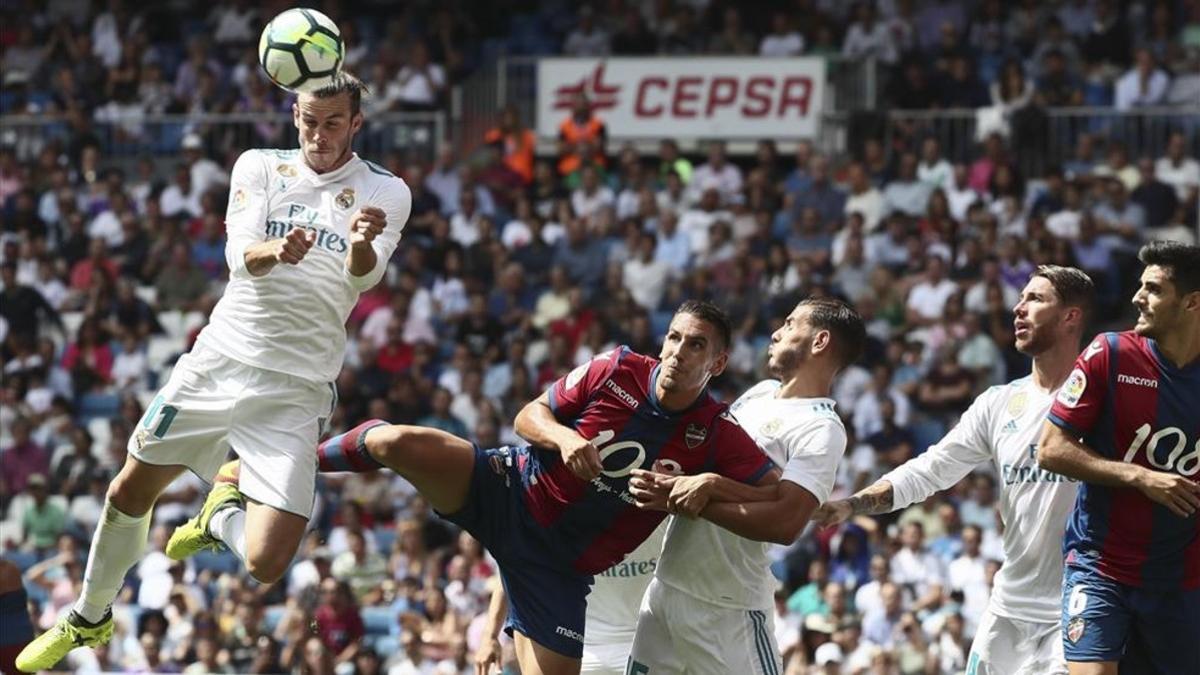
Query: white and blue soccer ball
{"x": 301, "y": 50}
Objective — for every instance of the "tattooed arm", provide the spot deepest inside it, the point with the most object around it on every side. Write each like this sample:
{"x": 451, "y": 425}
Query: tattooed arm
{"x": 869, "y": 501}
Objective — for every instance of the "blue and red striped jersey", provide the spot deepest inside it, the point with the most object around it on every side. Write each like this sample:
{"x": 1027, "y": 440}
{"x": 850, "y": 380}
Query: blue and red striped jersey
{"x": 611, "y": 401}
{"x": 1128, "y": 403}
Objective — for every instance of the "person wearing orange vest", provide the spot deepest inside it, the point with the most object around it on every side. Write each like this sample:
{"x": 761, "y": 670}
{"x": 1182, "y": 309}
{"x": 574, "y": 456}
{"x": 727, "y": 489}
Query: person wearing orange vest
{"x": 515, "y": 142}
{"x": 581, "y": 138}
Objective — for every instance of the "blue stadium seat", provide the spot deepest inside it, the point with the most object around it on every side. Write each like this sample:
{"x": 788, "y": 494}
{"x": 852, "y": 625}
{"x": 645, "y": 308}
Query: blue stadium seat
{"x": 271, "y": 617}
{"x": 378, "y": 620}
{"x": 384, "y": 538}
{"x": 926, "y": 433}
{"x": 386, "y": 645}
{"x": 22, "y": 559}
{"x": 220, "y": 563}
{"x": 98, "y": 405}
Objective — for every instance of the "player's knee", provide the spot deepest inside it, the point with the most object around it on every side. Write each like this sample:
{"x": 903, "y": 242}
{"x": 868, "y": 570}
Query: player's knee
{"x": 130, "y": 495}
{"x": 387, "y": 444}
{"x": 267, "y": 567}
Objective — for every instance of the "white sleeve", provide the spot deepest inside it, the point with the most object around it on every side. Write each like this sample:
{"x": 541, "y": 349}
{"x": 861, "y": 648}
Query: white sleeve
{"x": 814, "y": 451}
{"x": 944, "y": 464}
{"x": 395, "y": 199}
{"x": 245, "y": 218}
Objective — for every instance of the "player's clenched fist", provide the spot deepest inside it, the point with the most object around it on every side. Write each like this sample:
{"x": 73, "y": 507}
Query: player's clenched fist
{"x": 366, "y": 224}
{"x": 582, "y": 458}
{"x": 294, "y": 246}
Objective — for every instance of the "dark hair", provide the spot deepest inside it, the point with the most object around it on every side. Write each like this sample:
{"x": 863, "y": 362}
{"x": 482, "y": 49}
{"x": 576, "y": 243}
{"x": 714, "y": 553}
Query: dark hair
{"x": 712, "y": 315}
{"x": 345, "y": 83}
{"x": 1182, "y": 262}
{"x": 840, "y": 319}
{"x": 1073, "y": 286}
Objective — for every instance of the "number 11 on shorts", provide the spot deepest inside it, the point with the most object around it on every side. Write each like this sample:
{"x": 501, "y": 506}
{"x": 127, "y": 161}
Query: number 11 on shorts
{"x": 168, "y": 415}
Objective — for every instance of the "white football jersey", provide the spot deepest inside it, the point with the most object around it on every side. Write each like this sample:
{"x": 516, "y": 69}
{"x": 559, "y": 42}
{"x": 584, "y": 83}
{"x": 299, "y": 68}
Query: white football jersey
{"x": 612, "y": 606}
{"x": 293, "y": 318}
{"x": 805, "y": 436}
{"x": 1002, "y": 426}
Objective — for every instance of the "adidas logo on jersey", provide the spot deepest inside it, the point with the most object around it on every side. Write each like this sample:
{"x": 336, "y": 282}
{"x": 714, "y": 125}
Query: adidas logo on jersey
{"x": 1010, "y": 428}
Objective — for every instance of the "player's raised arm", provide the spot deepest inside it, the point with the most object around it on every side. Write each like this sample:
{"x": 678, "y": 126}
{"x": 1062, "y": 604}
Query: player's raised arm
{"x": 246, "y": 251}
{"x": 375, "y": 232}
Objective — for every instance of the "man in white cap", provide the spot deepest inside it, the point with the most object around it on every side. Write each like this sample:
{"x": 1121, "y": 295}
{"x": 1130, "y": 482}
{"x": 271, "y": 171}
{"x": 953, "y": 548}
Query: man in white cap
{"x": 828, "y": 659}
{"x": 206, "y": 174}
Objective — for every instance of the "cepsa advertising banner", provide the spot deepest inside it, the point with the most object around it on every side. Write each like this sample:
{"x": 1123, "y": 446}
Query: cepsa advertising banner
{"x": 728, "y": 98}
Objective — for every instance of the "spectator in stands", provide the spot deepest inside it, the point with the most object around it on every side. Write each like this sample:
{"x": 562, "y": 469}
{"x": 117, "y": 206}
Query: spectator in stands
{"x": 43, "y": 520}
{"x": 1158, "y": 200}
{"x": 515, "y": 142}
{"x": 633, "y": 38}
{"x": 591, "y": 196}
{"x": 864, "y": 198}
{"x": 783, "y": 40}
{"x": 1056, "y": 85}
{"x": 821, "y": 194}
{"x": 22, "y": 459}
{"x": 420, "y": 84}
{"x": 1179, "y": 170}
{"x": 1106, "y": 40}
{"x": 181, "y": 285}
{"x": 906, "y": 193}
{"x": 582, "y": 138}
{"x": 1143, "y": 85}
{"x": 880, "y": 627}
{"x": 587, "y": 39}
{"x": 867, "y": 37}
{"x": 24, "y": 309}
{"x": 732, "y": 38}
{"x": 1121, "y": 221}
{"x": 364, "y": 571}
{"x": 718, "y": 172}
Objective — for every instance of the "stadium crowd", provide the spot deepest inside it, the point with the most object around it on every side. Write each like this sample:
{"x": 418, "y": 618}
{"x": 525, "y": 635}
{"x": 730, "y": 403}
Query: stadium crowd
{"x": 515, "y": 268}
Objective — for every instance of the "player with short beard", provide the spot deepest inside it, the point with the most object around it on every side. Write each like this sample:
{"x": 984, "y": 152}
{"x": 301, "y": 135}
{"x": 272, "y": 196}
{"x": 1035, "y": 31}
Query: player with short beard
{"x": 1018, "y": 633}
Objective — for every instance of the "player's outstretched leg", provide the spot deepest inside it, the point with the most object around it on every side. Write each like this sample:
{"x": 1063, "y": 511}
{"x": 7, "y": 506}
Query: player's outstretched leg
{"x": 116, "y": 546}
{"x": 437, "y": 463}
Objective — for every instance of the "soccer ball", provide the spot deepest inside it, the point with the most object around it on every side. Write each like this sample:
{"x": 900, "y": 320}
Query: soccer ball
{"x": 301, "y": 50}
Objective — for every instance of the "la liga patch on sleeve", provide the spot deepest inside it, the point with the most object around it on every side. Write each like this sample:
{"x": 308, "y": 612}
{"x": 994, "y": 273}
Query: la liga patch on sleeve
{"x": 1072, "y": 389}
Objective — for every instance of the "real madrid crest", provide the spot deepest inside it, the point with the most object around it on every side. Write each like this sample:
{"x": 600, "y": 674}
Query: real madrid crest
{"x": 769, "y": 429}
{"x": 286, "y": 170}
{"x": 1016, "y": 404}
{"x": 694, "y": 435}
{"x": 345, "y": 198}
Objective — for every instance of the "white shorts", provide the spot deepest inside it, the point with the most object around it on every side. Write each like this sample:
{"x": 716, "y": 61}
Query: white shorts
{"x": 271, "y": 420}
{"x": 1005, "y": 646}
{"x": 678, "y": 633}
{"x": 604, "y": 659}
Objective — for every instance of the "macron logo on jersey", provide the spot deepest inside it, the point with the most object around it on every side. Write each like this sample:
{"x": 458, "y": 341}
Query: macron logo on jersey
{"x": 622, "y": 394}
{"x": 1138, "y": 381}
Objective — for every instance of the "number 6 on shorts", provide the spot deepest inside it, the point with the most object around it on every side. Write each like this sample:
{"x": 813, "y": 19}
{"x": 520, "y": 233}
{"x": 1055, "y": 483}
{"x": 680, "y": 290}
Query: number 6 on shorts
{"x": 1078, "y": 601}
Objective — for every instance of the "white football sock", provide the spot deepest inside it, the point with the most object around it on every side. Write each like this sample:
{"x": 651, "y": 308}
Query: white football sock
{"x": 229, "y": 525}
{"x": 117, "y": 546}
